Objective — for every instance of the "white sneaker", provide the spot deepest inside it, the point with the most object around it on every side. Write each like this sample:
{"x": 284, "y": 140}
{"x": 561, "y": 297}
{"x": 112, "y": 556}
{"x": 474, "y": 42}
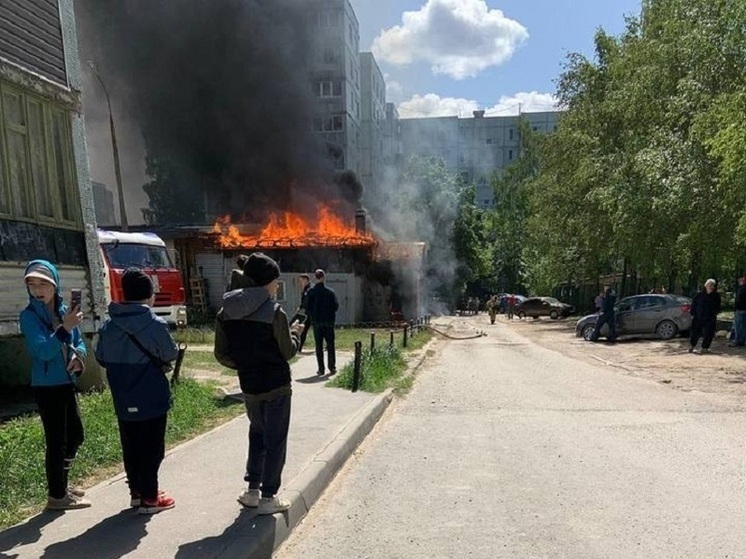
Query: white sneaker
{"x": 272, "y": 505}
{"x": 250, "y": 498}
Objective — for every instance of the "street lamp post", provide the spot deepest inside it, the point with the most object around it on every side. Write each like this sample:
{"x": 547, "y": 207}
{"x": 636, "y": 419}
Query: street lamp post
{"x": 115, "y": 149}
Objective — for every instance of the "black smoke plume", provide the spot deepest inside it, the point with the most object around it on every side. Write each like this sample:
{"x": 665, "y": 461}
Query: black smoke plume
{"x": 221, "y": 92}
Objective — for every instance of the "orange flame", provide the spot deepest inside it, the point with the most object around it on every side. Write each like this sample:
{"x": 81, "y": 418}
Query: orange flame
{"x": 290, "y": 230}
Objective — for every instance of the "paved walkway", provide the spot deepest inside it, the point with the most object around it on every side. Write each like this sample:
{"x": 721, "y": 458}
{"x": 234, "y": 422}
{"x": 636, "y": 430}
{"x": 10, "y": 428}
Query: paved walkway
{"x": 205, "y": 476}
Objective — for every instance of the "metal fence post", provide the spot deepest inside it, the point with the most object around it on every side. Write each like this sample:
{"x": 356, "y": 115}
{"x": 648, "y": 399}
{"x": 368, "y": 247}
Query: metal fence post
{"x": 372, "y": 342}
{"x": 391, "y": 339}
{"x": 358, "y": 365}
{"x": 406, "y": 328}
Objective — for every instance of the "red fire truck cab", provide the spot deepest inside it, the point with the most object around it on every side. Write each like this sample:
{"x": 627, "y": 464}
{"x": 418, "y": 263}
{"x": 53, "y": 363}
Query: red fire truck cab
{"x": 148, "y": 252}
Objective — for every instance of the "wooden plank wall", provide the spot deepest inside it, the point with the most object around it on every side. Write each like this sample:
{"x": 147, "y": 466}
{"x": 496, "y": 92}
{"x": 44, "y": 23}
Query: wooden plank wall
{"x": 31, "y": 36}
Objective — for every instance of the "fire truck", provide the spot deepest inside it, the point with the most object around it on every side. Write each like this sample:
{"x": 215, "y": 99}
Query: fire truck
{"x": 148, "y": 252}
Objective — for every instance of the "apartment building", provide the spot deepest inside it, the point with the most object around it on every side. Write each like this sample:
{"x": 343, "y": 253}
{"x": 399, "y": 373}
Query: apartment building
{"x": 475, "y": 147}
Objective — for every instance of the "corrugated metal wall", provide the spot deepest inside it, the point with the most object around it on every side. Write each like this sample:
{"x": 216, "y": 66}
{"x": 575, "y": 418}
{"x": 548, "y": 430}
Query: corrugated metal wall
{"x": 216, "y": 268}
{"x": 31, "y": 35}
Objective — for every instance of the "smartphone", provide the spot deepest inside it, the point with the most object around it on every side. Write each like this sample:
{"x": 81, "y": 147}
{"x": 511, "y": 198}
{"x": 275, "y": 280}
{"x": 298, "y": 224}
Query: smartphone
{"x": 76, "y": 296}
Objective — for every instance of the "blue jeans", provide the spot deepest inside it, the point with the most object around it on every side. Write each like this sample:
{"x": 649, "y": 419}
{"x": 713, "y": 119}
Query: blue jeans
{"x": 739, "y": 325}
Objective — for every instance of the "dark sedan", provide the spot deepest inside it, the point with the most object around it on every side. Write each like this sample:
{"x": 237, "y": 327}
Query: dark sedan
{"x": 661, "y": 315}
{"x": 536, "y": 307}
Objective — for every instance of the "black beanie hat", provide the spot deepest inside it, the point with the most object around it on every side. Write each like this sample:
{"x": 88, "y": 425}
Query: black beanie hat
{"x": 137, "y": 285}
{"x": 261, "y": 269}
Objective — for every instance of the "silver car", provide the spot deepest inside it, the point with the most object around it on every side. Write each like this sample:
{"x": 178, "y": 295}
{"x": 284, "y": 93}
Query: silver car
{"x": 662, "y": 315}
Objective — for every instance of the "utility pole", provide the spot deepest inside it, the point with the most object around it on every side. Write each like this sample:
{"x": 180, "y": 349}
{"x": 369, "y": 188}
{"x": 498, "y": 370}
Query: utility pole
{"x": 115, "y": 149}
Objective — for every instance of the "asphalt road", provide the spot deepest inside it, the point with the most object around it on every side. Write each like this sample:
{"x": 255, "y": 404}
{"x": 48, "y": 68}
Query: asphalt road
{"x": 507, "y": 449}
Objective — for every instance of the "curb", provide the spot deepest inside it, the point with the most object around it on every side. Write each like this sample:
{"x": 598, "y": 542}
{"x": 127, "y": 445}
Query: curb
{"x": 269, "y": 532}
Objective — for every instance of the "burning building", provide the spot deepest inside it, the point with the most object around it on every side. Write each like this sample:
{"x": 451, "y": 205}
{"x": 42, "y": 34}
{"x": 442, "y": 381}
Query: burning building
{"x": 375, "y": 281}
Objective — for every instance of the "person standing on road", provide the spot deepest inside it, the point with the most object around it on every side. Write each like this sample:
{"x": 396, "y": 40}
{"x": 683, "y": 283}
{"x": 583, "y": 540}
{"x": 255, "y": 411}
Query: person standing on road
{"x": 322, "y": 310}
{"x": 58, "y": 355}
{"x": 135, "y": 347}
{"x": 301, "y": 315}
{"x": 492, "y": 305}
{"x": 253, "y": 337}
{"x": 599, "y": 302}
{"x": 739, "y": 319}
{"x": 607, "y": 317}
{"x": 705, "y": 310}
{"x": 511, "y": 306}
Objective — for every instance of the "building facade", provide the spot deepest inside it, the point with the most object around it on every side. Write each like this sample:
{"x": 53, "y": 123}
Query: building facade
{"x": 103, "y": 200}
{"x": 476, "y": 148}
{"x": 46, "y": 203}
{"x": 373, "y": 134}
{"x": 336, "y": 80}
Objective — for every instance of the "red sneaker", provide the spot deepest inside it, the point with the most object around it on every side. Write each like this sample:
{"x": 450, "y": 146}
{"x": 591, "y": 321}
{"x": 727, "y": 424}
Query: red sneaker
{"x": 164, "y": 502}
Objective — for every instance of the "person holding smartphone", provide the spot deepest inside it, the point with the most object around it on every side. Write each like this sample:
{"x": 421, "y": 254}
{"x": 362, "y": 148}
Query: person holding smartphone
{"x": 58, "y": 354}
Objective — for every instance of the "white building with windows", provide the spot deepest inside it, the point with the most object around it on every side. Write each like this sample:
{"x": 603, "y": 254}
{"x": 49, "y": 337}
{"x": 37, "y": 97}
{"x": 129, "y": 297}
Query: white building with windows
{"x": 476, "y": 147}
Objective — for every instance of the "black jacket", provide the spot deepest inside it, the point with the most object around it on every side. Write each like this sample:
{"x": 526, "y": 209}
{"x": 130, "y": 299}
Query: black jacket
{"x": 322, "y": 305}
{"x": 706, "y": 306}
{"x": 252, "y": 336}
{"x": 609, "y": 302}
{"x": 741, "y": 298}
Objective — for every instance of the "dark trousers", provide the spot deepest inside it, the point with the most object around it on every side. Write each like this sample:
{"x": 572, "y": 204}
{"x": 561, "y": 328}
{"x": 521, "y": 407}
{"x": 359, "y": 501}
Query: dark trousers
{"x": 608, "y": 319}
{"x": 704, "y": 329}
{"x": 143, "y": 449}
{"x": 325, "y": 333}
{"x": 63, "y": 432}
{"x": 268, "y": 442}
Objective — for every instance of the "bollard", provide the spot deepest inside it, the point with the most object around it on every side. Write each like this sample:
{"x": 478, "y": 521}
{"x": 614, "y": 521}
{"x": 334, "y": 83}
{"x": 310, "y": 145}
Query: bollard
{"x": 404, "y": 343}
{"x": 411, "y": 328}
{"x": 372, "y": 342}
{"x": 358, "y": 364}
{"x": 391, "y": 339}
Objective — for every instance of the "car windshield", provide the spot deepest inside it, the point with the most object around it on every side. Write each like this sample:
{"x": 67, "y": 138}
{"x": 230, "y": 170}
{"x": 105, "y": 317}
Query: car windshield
{"x": 124, "y": 255}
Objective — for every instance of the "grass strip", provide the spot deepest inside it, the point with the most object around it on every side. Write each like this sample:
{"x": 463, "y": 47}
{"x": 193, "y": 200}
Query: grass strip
{"x": 195, "y": 410}
{"x": 383, "y": 367}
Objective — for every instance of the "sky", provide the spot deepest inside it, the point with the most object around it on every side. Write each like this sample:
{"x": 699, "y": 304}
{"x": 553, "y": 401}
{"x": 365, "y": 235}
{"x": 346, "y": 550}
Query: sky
{"x": 450, "y": 57}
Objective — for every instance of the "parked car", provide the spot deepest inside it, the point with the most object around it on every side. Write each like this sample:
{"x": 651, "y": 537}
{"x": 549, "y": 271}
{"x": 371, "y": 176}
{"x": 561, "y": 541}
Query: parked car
{"x": 544, "y": 306}
{"x": 661, "y": 315}
{"x": 519, "y": 299}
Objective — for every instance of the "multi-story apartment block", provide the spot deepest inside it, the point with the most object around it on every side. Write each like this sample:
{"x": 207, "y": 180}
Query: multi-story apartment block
{"x": 373, "y": 122}
{"x": 336, "y": 80}
{"x": 475, "y": 148}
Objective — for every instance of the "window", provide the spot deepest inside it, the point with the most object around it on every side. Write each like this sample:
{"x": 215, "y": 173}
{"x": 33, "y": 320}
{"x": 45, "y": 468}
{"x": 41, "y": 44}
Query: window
{"x": 489, "y": 141}
{"x": 510, "y": 155}
{"x": 331, "y": 55}
{"x": 37, "y": 172}
{"x": 328, "y": 88}
{"x": 124, "y": 255}
{"x": 535, "y": 128}
{"x": 511, "y": 134}
{"x": 328, "y": 123}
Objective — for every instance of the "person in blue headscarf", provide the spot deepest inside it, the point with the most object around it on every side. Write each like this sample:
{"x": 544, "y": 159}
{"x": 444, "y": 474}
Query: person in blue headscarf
{"x": 58, "y": 355}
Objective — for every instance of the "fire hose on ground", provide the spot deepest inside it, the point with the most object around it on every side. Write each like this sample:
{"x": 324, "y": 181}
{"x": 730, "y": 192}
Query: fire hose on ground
{"x": 479, "y": 334}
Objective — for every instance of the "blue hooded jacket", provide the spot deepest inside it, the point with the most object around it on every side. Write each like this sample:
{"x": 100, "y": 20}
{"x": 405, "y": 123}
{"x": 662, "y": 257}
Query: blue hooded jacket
{"x": 50, "y": 348}
{"x": 138, "y": 385}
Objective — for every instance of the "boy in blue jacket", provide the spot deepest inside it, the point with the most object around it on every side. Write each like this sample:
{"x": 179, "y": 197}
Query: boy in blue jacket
{"x": 133, "y": 347}
{"x": 57, "y": 355}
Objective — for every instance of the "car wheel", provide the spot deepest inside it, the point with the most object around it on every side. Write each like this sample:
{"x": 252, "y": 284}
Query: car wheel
{"x": 521, "y": 315}
{"x": 554, "y": 315}
{"x": 587, "y": 332}
{"x": 667, "y": 330}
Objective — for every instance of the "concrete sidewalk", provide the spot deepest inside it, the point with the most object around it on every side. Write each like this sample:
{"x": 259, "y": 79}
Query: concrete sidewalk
{"x": 205, "y": 476}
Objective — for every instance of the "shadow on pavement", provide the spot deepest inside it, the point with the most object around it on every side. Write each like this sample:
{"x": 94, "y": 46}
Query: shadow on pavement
{"x": 25, "y": 534}
{"x": 111, "y": 538}
{"x": 315, "y": 379}
{"x": 246, "y": 526}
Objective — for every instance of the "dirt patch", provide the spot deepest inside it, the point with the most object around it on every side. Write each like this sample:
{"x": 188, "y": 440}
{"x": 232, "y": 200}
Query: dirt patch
{"x": 668, "y": 362}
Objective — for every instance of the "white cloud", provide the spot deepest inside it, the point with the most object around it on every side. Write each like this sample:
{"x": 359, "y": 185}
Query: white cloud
{"x": 459, "y": 38}
{"x": 432, "y": 105}
{"x": 527, "y": 102}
